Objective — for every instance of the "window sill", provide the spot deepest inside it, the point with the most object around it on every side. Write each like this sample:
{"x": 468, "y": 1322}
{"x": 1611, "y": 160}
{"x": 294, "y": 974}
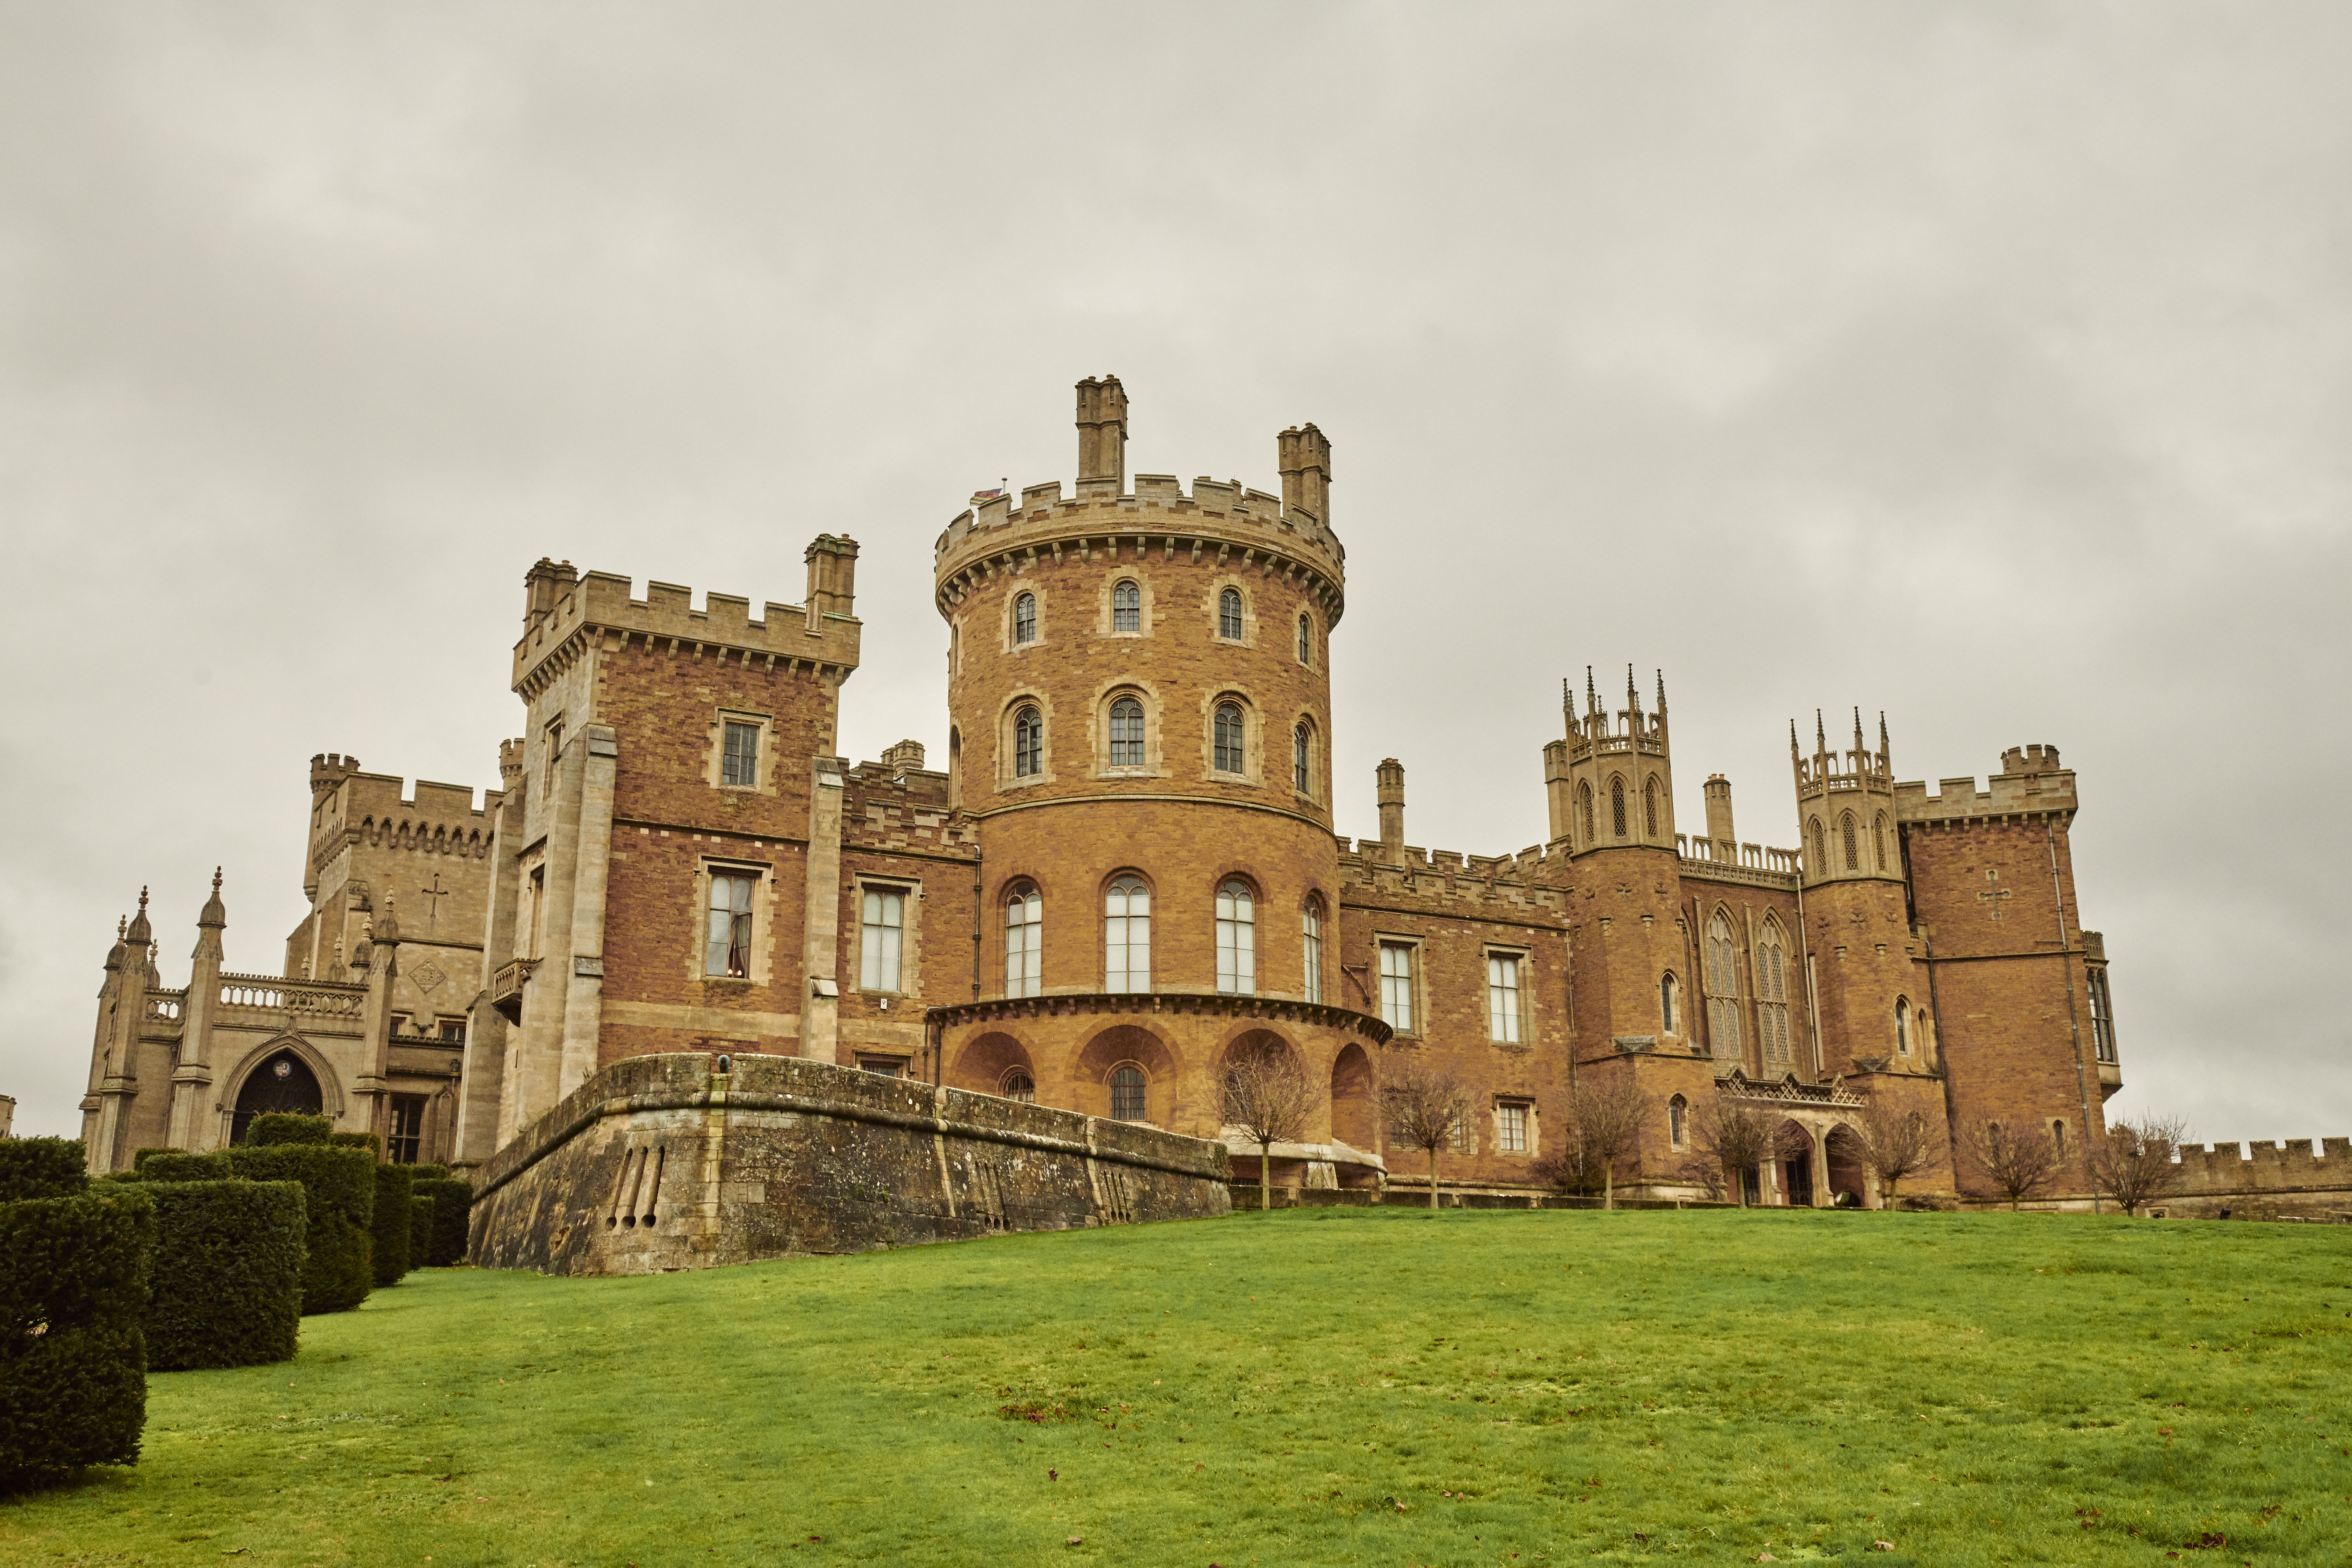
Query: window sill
{"x": 744, "y": 981}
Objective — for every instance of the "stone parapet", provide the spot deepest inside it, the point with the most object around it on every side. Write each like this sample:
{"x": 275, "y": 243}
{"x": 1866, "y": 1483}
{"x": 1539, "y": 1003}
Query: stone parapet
{"x": 600, "y": 606}
{"x": 663, "y": 1162}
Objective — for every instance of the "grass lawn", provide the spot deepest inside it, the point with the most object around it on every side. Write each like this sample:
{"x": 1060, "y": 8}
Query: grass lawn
{"x": 1309, "y": 1387}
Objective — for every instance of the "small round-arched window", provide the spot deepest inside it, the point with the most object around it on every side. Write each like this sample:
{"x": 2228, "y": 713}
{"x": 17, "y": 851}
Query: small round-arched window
{"x": 1229, "y": 614}
{"x": 1306, "y": 639}
{"x": 1025, "y": 620}
{"x": 1126, "y": 733}
{"x": 1126, "y": 608}
{"x": 1902, "y": 1025}
{"x": 1018, "y": 1084}
{"x": 1232, "y": 754}
{"x": 1130, "y": 1095}
{"x": 1678, "y": 1121}
{"x": 1028, "y": 744}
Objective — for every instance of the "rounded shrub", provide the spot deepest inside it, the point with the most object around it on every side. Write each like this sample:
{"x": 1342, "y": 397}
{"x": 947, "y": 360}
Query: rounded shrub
{"x": 452, "y": 1201}
{"x": 227, "y": 1275}
{"x": 287, "y": 1127}
{"x": 73, "y": 1360}
{"x": 339, "y": 1206}
{"x": 391, "y": 1221}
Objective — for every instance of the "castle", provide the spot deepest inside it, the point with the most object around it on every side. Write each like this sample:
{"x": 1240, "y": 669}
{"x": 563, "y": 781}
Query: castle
{"x": 1125, "y": 875}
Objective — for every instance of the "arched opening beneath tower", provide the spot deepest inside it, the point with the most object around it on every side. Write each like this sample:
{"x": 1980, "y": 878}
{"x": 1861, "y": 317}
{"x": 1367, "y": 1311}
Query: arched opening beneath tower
{"x": 995, "y": 1063}
{"x": 1849, "y": 1167}
{"x": 1355, "y": 1101}
{"x": 1129, "y": 1073}
{"x": 1797, "y": 1173}
{"x": 282, "y": 1083}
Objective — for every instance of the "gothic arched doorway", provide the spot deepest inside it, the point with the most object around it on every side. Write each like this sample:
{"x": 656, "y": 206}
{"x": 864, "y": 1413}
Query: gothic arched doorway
{"x": 283, "y": 1082}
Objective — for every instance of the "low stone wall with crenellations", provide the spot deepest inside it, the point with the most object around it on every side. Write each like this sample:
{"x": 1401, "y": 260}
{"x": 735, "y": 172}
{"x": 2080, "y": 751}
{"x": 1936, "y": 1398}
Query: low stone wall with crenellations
{"x": 663, "y": 1162}
{"x": 2263, "y": 1181}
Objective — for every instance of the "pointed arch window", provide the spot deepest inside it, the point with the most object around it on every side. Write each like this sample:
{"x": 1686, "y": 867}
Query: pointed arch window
{"x": 1025, "y": 620}
{"x": 1024, "y": 941}
{"x": 1126, "y": 935}
{"x": 2103, "y": 1016}
{"x": 1902, "y": 1026}
{"x": 1813, "y": 841}
{"x": 1722, "y": 984}
{"x": 1302, "y": 760}
{"x": 1232, "y": 753}
{"x": 1229, "y": 614}
{"x": 1584, "y": 811}
{"x": 1617, "y": 807}
{"x": 1679, "y": 1122}
{"x": 1878, "y": 843}
{"x": 1126, "y": 733}
{"x": 1846, "y": 836}
{"x": 1311, "y": 926}
{"x": 1028, "y": 744}
{"x": 1125, "y": 606}
{"x": 2058, "y": 1138}
{"x": 1236, "y": 940}
{"x": 1650, "y": 808}
{"x": 1772, "y": 999}
{"x": 1306, "y": 639}
{"x": 1669, "y": 1003}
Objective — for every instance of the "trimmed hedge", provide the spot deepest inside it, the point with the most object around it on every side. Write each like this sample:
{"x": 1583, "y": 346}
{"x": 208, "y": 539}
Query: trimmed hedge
{"x": 173, "y": 1166}
{"x": 138, "y": 1156}
{"x": 420, "y": 1230}
{"x": 339, "y": 1206}
{"x": 367, "y": 1141}
{"x": 228, "y": 1272}
{"x": 287, "y": 1127}
{"x": 391, "y": 1221}
{"x": 73, "y": 1287}
{"x": 428, "y": 1173}
{"x": 451, "y": 1202}
{"x": 42, "y": 1168}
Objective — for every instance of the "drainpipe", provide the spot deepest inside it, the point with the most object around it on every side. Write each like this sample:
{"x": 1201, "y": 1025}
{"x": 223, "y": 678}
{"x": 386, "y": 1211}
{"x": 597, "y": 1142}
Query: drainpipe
{"x": 1805, "y": 952}
{"x": 2074, "y": 1027}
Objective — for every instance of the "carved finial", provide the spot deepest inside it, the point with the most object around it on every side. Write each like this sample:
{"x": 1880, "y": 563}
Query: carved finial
{"x": 121, "y": 925}
{"x": 1885, "y": 751}
{"x": 1859, "y": 750}
{"x": 1820, "y": 734}
{"x": 216, "y": 913}
{"x": 1662, "y": 694}
{"x": 1793, "y": 749}
{"x": 1592, "y": 696}
{"x": 140, "y": 931}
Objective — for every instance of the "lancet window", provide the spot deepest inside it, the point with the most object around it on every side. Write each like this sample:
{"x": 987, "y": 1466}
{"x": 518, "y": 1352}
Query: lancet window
{"x": 1772, "y": 999}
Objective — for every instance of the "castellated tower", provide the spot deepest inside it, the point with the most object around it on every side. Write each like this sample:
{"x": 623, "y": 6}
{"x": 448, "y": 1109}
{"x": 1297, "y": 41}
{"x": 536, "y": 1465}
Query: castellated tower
{"x": 1140, "y": 701}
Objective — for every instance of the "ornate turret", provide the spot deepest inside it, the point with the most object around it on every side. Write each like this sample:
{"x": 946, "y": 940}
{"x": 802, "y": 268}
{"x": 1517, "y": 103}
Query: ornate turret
{"x": 1845, "y": 806}
{"x": 1612, "y": 786}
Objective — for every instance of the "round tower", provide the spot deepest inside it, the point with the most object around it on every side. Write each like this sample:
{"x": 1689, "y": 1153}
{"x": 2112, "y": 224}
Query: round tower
{"x": 1140, "y": 720}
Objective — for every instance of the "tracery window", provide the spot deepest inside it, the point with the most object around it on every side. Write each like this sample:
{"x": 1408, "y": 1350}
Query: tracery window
{"x": 1813, "y": 841}
{"x": 1028, "y": 744}
{"x": 1230, "y": 753}
{"x": 1617, "y": 807}
{"x": 1302, "y": 760}
{"x": 1650, "y": 808}
{"x": 1229, "y": 614}
{"x": 1722, "y": 980}
{"x": 1584, "y": 811}
{"x": 1772, "y": 998}
{"x": 1236, "y": 940}
{"x": 1024, "y": 941}
{"x": 1129, "y": 1094}
{"x": 1310, "y": 922}
{"x": 1126, "y": 733}
{"x": 1126, "y": 935}
{"x": 1878, "y": 842}
{"x": 1845, "y": 833}
{"x": 1126, "y": 608}
{"x": 1503, "y": 998}
{"x": 1025, "y": 620}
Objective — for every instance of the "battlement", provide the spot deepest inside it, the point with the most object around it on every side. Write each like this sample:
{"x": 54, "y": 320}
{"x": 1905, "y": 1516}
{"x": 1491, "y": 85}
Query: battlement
{"x": 511, "y": 761}
{"x": 329, "y": 769}
{"x": 1519, "y": 881}
{"x": 2029, "y": 784}
{"x": 821, "y": 633}
{"x": 379, "y": 794}
{"x": 1220, "y": 519}
{"x": 2228, "y": 1169}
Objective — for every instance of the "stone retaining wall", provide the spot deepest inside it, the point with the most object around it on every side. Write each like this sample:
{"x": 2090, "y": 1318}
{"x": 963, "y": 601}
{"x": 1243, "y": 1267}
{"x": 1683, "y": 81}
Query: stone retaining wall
{"x": 663, "y": 1162}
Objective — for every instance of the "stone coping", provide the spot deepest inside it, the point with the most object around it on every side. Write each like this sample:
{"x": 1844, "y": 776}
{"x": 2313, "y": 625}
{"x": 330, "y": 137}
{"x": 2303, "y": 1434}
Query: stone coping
{"x": 1075, "y": 1003}
{"x": 759, "y": 1082}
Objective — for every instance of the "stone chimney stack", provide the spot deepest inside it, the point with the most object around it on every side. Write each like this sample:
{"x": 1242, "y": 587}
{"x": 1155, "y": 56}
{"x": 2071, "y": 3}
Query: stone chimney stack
{"x": 542, "y": 585}
{"x": 906, "y": 757}
{"x": 1102, "y": 436}
{"x": 1390, "y": 776}
{"x": 1304, "y": 457}
{"x": 1719, "y": 811}
{"x": 832, "y": 579}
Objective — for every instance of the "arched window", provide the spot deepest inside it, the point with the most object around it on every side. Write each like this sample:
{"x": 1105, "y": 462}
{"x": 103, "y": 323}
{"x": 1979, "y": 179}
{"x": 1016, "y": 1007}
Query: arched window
{"x": 1126, "y": 608}
{"x": 1878, "y": 843}
{"x": 1236, "y": 940}
{"x": 2103, "y": 1015}
{"x": 1772, "y": 998}
{"x": 2058, "y": 1138}
{"x": 1126, "y": 935}
{"x": 1229, "y": 614}
{"x": 1617, "y": 807}
{"x": 1678, "y": 1122}
{"x": 1650, "y": 808}
{"x": 1902, "y": 1026}
{"x": 1669, "y": 1009}
{"x": 1845, "y": 834}
{"x": 1722, "y": 980}
{"x": 1306, "y": 639}
{"x": 283, "y": 1083}
{"x": 1126, "y": 733}
{"x": 1584, "y": 810}
{"x": 1025, "y": 620}
{"x": 1232, "y": 755}
{"x": 1130, "y": 1095}
{"x": 1819, "y": 857}
{"x": 1028, "y": 744}
{"x": 1018, "y": 1084}
{"x": 1311, "y": 924}
{"x": 1302, "y": 760}
{"x": 1024, "y": 939}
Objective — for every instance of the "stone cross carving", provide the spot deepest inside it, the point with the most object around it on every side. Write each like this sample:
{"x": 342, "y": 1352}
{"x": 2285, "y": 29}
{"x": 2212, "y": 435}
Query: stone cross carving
{"x": 436, "y": 892}
{"x": 1994, "y": 894}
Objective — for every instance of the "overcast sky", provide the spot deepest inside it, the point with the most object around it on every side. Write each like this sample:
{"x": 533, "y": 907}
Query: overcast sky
{"x": 1987, "y": 364}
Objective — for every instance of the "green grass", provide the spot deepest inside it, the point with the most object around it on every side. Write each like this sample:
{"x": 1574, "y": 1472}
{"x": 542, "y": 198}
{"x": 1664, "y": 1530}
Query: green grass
{"x": 1317, "y": 1386}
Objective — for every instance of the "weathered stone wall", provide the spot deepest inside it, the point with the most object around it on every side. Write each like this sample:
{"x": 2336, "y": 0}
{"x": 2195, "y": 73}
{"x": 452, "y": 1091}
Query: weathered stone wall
{"x": 661, "y": 1163}
{"x": 2268, "y": 1181}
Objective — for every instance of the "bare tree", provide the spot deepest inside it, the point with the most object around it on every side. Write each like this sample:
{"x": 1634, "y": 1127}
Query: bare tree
{"x": 1605, "y": 1116}
{"x": 1426, "y": 1108}
{"x": 1896, "y": 1143}
{"x": 1737, "y": 1135}
{"x": 2018, "y": 1165}
{"x": 1269, "y": 1097}
{"x": 2135, "y": 1166}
